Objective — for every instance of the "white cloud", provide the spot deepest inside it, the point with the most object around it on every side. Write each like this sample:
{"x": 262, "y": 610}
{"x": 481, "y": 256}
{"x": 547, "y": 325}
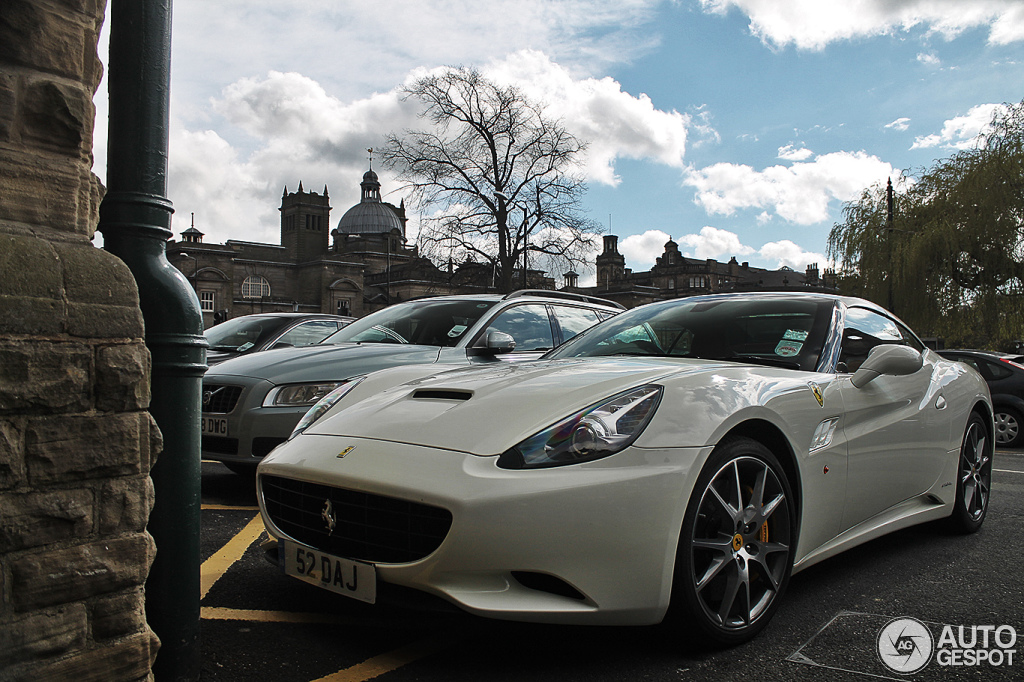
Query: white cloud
{"x": 929, "y": 59}
{"x": 641, "y": 250}
{"x": 961, "y": 132}
{"x": 615, "y": 123}
{"x": 790, "y": 254}
{"x": 714, "y": 243}
{"x": 799, "y": 193}
{"x": 813, "y": 24}
{"x": 789, "y": 153}
{"x": 899, "y": 124}
{"x": 297, "y": 131}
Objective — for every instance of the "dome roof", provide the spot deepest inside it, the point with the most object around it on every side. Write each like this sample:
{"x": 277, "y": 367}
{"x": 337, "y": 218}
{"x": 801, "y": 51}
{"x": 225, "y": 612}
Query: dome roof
{"x": 369, "y": 217}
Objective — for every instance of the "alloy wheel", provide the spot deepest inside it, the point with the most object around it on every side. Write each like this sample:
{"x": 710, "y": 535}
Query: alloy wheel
{"x": 975, "y": 471}
{"x": 741, "y": 543}
{"x": 1007, "y": 427}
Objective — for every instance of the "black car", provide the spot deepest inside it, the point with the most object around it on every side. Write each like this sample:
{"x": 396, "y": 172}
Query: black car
{"x": 263, "y": 331}
{"x": 1005, "y": 380}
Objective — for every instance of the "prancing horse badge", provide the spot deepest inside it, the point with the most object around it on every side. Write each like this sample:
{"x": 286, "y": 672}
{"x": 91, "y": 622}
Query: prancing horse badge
{"x": 816, "y": 390}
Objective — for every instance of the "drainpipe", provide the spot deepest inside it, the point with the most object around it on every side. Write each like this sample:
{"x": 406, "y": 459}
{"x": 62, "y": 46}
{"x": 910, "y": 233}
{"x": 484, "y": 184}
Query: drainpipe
{"x": 135, "y": 219}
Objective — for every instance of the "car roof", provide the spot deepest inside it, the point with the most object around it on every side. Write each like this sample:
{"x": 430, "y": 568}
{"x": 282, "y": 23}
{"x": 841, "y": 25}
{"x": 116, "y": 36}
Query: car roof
{"x": 529, "y": 294}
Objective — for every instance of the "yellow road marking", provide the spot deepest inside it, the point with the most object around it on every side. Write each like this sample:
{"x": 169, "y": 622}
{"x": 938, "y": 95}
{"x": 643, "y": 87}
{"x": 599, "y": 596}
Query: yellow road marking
{"x": 385, "y": 663}
{"x": 218, "y": 564}
{"x": 221, "y": 613}
{"x": 228, "y": 507}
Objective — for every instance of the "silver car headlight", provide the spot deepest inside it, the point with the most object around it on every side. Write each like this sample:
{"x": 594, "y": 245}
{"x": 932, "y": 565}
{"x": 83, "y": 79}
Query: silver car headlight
{"x": 297, "y": 395}
{"x": 323, "y": 405}
{"x": 592, "y": 433}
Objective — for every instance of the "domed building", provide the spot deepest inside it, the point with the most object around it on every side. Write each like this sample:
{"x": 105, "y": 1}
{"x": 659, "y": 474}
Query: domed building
{"x": 362, "y": 265}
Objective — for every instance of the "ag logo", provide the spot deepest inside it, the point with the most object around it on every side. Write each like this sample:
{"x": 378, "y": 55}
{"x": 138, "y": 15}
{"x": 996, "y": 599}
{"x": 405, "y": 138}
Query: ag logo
{"x": 905, "y": 645}
{"x": 816, "y": 390}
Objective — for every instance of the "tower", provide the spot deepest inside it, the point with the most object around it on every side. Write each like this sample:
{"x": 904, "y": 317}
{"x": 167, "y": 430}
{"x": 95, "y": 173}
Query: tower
{"x": 305, "y": 224}
{"x": 611, "y": 265}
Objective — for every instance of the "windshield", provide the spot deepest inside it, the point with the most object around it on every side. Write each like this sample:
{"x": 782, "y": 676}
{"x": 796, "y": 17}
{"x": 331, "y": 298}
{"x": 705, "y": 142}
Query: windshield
{"x": 242, "y": 333}
{"x": 783, "y": 331}
{"x": 427, "y": 322}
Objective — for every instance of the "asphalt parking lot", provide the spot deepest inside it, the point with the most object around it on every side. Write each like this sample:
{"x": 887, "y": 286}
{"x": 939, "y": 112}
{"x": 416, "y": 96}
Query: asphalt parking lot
{"x": 257, "y": 622}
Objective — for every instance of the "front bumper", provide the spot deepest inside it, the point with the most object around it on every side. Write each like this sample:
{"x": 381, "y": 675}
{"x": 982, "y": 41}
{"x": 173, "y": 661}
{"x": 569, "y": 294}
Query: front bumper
{"x": 590, "y": 543}
{"x": 252, "y": 430}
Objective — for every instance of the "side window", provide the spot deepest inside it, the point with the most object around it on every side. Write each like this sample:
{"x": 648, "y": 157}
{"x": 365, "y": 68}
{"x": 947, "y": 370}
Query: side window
{"x": 307, "y": 333}
{"x": 995, "y": 371}
{"x": 527, "y": 324}
{"x": 572, "y": 320}
{"x": 866, "y": 329}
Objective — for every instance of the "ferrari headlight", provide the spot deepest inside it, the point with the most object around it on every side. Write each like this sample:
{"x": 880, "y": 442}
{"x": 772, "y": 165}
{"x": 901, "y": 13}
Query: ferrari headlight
{"x": 323, "y": 405}
{"x": 297, "y": 395}
{"x": 595, "y": 432}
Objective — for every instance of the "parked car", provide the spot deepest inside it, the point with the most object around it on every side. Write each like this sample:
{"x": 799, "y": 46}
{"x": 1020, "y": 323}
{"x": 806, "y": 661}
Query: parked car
{"x": 263, "y": 331}
{"x": 251, "y": 403}
{"x": 1005, "y": 378}
{"x": 682, "y": 457}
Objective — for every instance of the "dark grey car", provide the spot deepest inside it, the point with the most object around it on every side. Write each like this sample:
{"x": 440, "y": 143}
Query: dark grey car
{"x": 252, "y": 403}
{"x": 263, "y": 331}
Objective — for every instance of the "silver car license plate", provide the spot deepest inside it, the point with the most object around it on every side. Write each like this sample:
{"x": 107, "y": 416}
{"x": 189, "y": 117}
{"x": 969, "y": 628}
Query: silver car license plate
{"x": 343, "y": 576}
{"x": 214, "y": 426}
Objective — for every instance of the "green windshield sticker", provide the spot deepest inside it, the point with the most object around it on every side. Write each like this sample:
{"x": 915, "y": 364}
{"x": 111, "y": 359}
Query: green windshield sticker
{"x": 795, "y": 335}
{"x": 788, "y": 349}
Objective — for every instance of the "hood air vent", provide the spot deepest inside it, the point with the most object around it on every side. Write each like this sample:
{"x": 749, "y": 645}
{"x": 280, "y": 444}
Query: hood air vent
{"x": 440, "y": 394}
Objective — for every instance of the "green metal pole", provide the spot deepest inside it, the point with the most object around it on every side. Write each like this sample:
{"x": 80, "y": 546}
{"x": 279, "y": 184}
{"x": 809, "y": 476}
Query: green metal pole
{"x": 135, "y": 219}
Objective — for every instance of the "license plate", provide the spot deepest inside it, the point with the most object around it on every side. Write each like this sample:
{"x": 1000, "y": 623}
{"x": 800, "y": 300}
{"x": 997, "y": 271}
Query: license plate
{"x": 215, "y": 426}
{"x": 342, "y": 576}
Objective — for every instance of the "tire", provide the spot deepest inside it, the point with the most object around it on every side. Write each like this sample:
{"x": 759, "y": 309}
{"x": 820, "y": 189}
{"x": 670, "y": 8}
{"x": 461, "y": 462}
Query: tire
{"x": 1009, "y": 427}
{"x": 735, "y": 552}
{"x": 974, "y": 477}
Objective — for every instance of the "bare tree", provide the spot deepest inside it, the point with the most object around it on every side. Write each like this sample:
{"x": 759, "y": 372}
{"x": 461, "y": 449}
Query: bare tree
{"x": 501, "y": 178}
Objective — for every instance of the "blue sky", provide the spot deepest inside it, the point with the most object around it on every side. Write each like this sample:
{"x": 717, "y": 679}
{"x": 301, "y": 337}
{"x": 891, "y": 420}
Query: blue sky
{"x": 736, "y": 127}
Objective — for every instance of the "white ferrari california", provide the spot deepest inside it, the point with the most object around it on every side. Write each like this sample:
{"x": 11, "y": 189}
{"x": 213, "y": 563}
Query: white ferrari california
{"x": 681, "y": 458}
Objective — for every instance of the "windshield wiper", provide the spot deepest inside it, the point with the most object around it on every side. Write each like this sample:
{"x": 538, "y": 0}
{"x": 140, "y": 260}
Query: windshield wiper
{"x": 763, "y": 360}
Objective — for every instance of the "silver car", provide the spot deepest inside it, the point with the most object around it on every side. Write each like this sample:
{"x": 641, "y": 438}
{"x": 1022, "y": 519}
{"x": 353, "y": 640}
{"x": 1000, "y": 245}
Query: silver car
{"x": 251, "y": 403}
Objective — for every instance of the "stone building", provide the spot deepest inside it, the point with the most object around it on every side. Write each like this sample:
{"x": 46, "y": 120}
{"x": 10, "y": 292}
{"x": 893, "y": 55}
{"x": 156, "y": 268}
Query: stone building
{"x": 362, "y": 265}
{"x": 676, "y": 276}
{"x": 76, "y": 440}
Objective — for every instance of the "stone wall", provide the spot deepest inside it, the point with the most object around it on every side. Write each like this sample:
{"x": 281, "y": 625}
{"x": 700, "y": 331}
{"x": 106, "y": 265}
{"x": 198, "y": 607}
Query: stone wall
{"x": 76, "y": 441}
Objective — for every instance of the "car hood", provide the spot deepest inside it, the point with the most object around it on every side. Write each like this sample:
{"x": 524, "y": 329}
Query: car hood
{"x": 322, "y": 363}
{"x": 486, "y": 410}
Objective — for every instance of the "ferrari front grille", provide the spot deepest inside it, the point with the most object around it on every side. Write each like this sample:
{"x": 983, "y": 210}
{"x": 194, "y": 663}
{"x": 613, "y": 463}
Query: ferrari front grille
{"x": 354, "y": 524}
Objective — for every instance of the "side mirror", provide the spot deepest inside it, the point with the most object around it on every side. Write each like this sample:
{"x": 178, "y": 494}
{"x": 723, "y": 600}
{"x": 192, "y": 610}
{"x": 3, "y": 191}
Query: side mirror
{"x": 496, "y": 343}
{"x": 889, "y": 359}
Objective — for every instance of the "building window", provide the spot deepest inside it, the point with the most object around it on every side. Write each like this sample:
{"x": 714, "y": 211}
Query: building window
{"x": 697, "y": 283}
{"x": 343, "y": 308}
{"x": 255, "y": 286}
{"x": 671, "y": 282}
{"x": 207, "y": 301}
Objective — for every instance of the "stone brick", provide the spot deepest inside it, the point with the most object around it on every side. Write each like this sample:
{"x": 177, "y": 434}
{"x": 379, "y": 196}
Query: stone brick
{"x": 127, "y": 659}
{"x": 8, "y": 100}
{"x": 68, "y": 575}
{"x": 124, "y": 505}
{"x": 54, "y": 377}
{"x": 57, "y": 117}
{"x": 44, "y": 635}
{"x": 34, "y": 519}
{"x": 43, "y": 191}
{"x": 72, "y": 448}
{"x": 156, "y": 443}
{"x": 122, "y": 378}
{"x": 31, "y": 298}
{"x": 12, "y": 453}
{"x": 119, "y": 616}
{"x": 34, "y": 34}
{"x": 103, "y": 300}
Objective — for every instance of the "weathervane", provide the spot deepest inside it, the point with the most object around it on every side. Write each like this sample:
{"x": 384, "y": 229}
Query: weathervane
{"x": 370, "y": 149}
